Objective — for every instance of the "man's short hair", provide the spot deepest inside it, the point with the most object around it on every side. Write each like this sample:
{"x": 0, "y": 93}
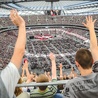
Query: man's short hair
{"x": 42, "y": 78}
{"x": 84, "y": 58}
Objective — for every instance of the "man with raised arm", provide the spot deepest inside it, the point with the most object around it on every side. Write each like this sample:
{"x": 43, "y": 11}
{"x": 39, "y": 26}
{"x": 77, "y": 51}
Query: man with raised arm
{"x": 86, "y": 85}
{"x": 93, "y": 41}
{"x": 9, "y": 75}
{"x": 46, "y": 91}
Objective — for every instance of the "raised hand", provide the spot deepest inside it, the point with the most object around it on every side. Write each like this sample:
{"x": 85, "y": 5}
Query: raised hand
{"x": 16, "y": 18}
{"x": 60, "y": 65}
{"x": 89, "y": 22}
{"x": 52, "y": 56}
{"x": 48, "y": 73}
{"x": 53, "y": 70}
{"x": 26, "y": 64}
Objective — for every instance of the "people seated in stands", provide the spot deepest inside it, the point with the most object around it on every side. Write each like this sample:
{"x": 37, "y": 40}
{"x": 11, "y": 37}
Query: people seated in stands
{"x": 9, "y": 75}
{"x": 29, "y": 77}
{"x": 46, "y": 91}
{"x": 86, "y": 85}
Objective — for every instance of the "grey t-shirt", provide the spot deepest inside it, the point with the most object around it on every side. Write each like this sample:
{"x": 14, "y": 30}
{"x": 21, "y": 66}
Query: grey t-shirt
{"x": 82, "y": 87}
{"x": 10, "y": 77}
{"x": 95, "y": 67}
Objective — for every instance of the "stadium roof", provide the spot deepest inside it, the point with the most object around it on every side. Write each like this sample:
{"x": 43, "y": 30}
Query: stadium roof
{"x": 4, "y": 1}
{"x": 39, "y": 6}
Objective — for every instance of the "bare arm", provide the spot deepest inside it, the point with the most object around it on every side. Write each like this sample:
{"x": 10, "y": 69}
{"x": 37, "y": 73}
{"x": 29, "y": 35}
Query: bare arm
{"x": 30, "y": 77}
{"x": 61, "y": 73}
{"x": 21, "y": 40}
{"x": 23, "y": 71}
{"x": 93, "y": 40}
{"x": 49, "y": 76}
{"x": 26, "y": 68}
{"x": 52, "y": 58}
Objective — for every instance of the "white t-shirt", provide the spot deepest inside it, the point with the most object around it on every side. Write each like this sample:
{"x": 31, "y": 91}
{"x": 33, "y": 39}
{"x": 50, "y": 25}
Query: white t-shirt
{"x": 10, "y": 77}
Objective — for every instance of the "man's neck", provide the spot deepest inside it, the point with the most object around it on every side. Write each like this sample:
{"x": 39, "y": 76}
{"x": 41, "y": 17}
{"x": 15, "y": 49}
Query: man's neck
{"x": 85, "y": 72}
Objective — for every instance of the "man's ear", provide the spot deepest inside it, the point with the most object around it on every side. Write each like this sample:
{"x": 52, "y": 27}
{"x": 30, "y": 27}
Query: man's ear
{"x": 77, "y": 64}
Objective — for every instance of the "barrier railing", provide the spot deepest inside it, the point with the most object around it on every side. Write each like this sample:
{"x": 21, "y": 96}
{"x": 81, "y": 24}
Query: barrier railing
{"x": 42, "y": 84}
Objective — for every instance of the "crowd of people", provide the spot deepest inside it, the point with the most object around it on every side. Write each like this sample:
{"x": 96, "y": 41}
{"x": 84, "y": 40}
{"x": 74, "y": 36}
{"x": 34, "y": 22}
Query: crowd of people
{"x": 58, "y": 45}
{"x": 69, "y": 44}
{"x": 47, "y": 19}
{"x": 82, "y": 85}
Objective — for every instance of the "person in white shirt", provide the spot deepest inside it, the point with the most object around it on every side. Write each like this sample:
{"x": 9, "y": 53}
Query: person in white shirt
{"x": 9, "y": 74}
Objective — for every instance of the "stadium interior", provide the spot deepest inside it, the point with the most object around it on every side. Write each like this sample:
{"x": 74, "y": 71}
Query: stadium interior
{"x": 52, "y": 26}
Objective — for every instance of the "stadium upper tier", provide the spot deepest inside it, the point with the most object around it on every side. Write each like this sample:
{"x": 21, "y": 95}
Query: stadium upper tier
{"x": 47, "y": 20}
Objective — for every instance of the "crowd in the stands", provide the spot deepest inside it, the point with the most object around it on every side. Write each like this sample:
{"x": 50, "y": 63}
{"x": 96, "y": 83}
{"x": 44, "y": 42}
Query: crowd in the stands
{"x": 79, "y": 85}
{"x": 47, "y": 19}
{"x": 61, "y": 44}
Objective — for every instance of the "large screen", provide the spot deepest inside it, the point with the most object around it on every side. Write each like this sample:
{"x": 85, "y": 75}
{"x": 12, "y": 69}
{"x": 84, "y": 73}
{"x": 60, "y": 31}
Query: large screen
{"x": 53, "y": 12}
